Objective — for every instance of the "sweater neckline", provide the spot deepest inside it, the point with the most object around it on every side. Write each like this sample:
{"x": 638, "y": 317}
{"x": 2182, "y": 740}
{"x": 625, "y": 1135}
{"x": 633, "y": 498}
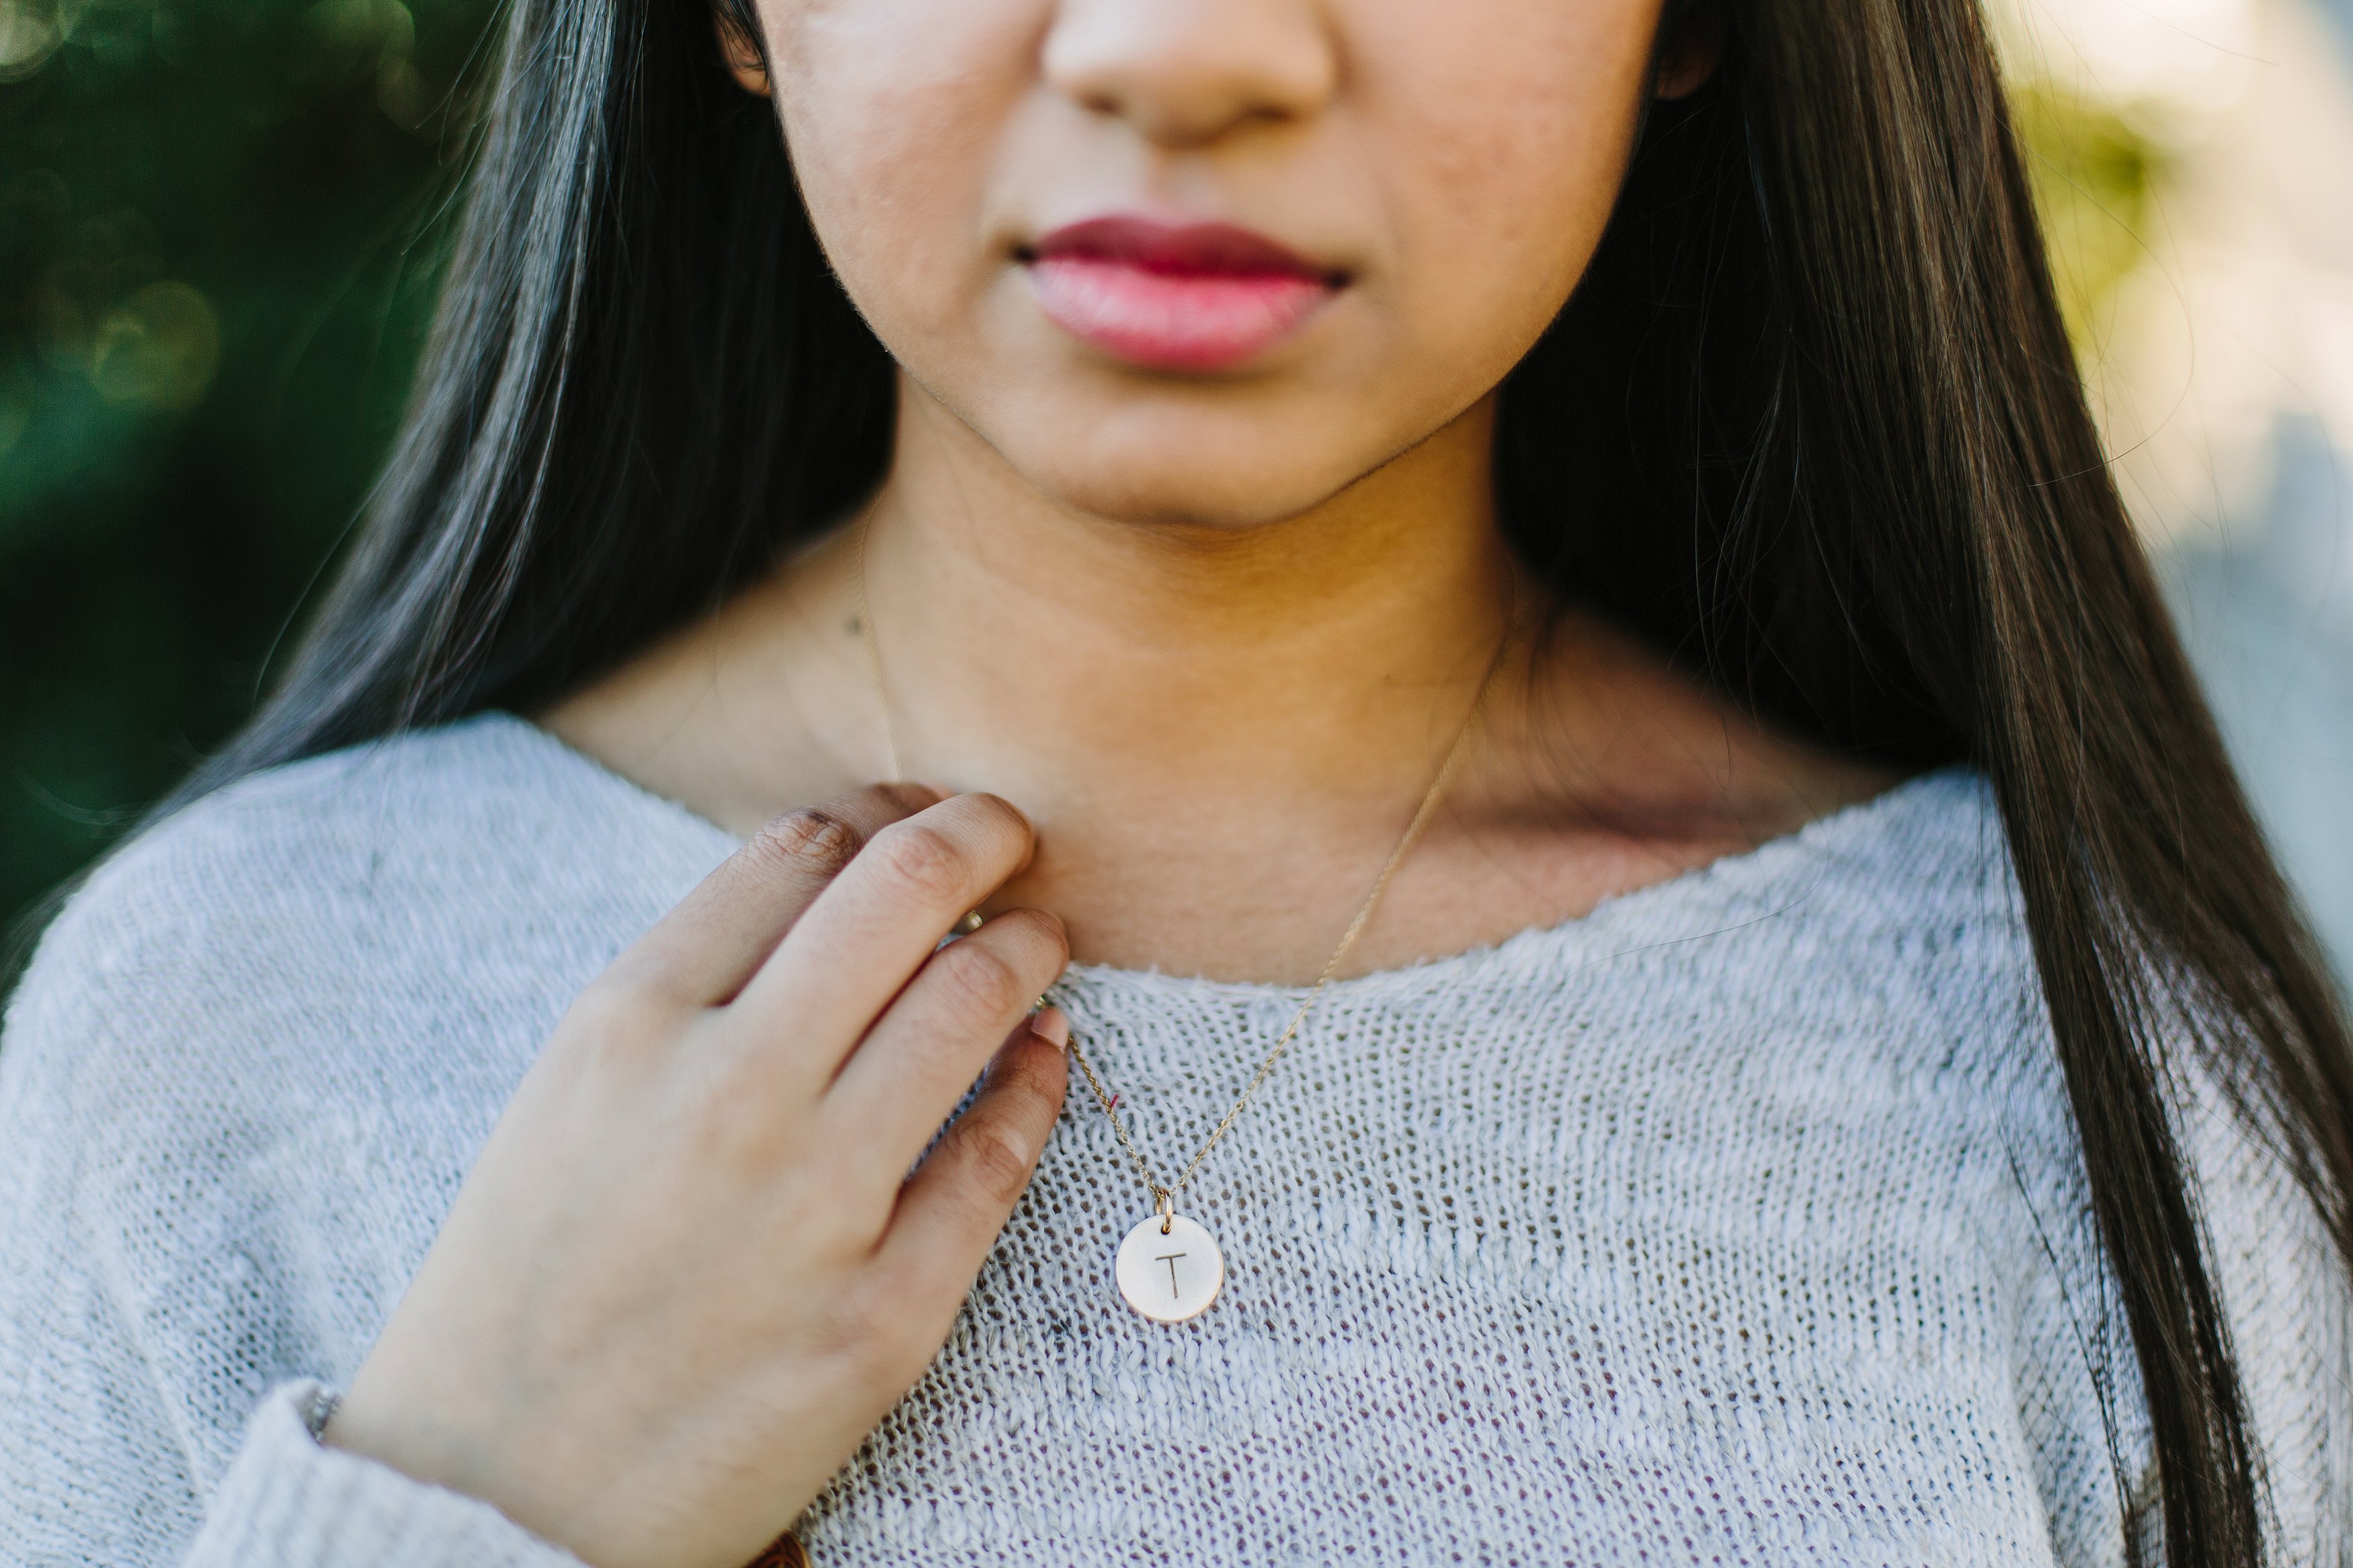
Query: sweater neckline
{"x": 1603, "y": 931}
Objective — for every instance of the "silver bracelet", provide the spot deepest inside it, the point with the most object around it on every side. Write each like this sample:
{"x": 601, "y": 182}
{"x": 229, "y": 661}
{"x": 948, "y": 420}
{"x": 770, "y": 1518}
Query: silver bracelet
{"x": 318, "y": 1410}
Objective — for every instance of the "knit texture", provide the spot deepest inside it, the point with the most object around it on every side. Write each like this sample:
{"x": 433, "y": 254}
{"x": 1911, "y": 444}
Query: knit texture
{"x": 1741, "y": 1221}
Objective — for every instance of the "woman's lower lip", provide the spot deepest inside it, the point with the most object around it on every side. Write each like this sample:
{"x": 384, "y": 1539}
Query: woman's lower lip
{"x": 1179, "y": 321}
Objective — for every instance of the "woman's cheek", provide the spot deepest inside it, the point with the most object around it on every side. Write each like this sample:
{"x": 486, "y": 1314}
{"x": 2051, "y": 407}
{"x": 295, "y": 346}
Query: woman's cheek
{"x": 890, "y": 144}
{"x": 1485, "y": 264}
{"x": 1504, "y": 193}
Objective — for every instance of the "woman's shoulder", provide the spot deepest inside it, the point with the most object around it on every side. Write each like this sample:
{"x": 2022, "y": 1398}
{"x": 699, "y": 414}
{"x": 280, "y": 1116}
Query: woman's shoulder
{"x": 1915, "y": 877}
{"x": 1932, "y": 847}
{"x": 415, "y": 877}
{"x": 1939, "y": 870}
{"x": 492, "y": 785}
{"x": 254, "y": 1055}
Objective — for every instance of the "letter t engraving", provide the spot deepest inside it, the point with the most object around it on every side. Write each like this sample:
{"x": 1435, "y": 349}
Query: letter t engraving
{"x": 1170, "y": 1258}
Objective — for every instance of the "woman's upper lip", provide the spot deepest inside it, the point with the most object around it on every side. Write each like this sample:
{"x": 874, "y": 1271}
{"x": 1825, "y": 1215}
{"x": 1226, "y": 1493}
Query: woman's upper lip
{"x": 1176, "y": 249}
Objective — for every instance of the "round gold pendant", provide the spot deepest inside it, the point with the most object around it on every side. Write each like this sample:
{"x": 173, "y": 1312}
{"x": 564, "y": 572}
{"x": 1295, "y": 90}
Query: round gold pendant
{"x": 1170, "y": 1274}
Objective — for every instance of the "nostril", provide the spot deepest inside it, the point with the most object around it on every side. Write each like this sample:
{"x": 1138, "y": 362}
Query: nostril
{"x": 1187, "y": 73}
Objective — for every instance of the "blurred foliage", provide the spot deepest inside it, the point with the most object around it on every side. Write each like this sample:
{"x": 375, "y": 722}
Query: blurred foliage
{"x": 2095, "y": 176}
{"x": 212, "y": 288}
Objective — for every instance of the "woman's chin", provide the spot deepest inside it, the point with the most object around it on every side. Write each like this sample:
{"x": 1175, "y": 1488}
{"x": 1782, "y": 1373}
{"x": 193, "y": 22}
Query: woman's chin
{"x": 1168, "y": 488}
{"x": 1221, "y": 458}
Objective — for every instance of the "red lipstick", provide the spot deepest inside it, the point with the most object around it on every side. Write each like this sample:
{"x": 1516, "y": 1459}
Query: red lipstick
{"x": 1197, "y": 296}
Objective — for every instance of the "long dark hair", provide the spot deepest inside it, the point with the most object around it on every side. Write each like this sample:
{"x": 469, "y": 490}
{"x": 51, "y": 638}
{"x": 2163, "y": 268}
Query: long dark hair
{"x": 1810, "y": 425}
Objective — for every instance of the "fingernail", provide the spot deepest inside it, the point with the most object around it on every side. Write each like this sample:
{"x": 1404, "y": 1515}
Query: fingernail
{"x": 1050, "y": 1025}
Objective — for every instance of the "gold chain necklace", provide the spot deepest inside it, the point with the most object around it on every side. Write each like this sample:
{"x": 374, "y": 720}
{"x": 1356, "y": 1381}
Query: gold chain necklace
{"x": 1170, "y": 1268}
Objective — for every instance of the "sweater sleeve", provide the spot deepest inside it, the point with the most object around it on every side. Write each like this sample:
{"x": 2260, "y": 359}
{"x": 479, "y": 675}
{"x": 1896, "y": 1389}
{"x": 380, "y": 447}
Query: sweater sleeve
{"x": 126, "y": 1214}
{"x": 291, "y": 1502}
{"x": 92, "y": 1469}
{"x": 2284, "y": 1289}
{"x": 2288, "y": 1305}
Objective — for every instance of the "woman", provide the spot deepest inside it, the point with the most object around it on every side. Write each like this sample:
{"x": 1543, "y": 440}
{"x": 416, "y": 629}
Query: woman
{"x": 1667, "y": 963}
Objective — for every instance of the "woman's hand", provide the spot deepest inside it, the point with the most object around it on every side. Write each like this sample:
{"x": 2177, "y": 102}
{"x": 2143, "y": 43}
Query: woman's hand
{"x": 691, "y": 1270}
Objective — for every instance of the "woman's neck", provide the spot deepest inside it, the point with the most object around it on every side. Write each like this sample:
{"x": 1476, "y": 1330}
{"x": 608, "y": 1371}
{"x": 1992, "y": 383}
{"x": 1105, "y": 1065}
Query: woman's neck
{"x": 1219, "y": 732}
{"x": 1030, "y": 648}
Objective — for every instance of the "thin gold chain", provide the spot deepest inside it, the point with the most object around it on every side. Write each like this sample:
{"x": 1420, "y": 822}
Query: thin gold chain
{"x": 874, "y": 642}
{"x": 1165, "y": 1196}
{"x": 1421, "y": 816}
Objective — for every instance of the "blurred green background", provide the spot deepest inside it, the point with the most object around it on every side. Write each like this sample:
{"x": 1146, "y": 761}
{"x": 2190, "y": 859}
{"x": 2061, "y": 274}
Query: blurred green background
{"x": 218, "y": 232}
{"x": 217, "y": 247}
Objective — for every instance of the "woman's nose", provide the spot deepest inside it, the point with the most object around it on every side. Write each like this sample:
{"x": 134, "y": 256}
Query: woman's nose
{"x": 1185, "y": 72}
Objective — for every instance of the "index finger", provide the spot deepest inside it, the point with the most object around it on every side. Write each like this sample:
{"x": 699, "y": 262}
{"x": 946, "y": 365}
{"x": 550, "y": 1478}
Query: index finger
{"x": 717, "y": 937}
{"x": 877, "y": 923}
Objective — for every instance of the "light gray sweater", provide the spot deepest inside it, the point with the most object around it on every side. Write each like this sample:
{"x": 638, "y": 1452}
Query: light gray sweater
{"x": 1741, "y": 1221}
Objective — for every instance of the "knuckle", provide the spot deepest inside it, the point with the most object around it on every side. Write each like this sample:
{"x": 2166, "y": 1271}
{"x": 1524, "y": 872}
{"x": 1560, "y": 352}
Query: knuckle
{"x": 999, "y": 817}
{"x": 899, "y": 799}
{"x": 849, "y": 1329}
{"x": 856, "y": 1216}
{"x": 1041, "y": 940}
{"x": 833, "y": 1212}
{"x": 999, "y": 1162}
{"x": 1033, "y": 1097}
{"x": 619, "y": 1013}
{"x": 621, "y": 1000}
{"x": 877, "y": 1335}
{"x": 981, "y": 981}
{"x": 922, "y": 863}
{"x": 808, "y": 838}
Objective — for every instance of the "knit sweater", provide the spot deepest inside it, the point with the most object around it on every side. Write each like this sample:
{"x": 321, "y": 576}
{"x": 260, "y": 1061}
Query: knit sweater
{"x": 1740, "y": 1221}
